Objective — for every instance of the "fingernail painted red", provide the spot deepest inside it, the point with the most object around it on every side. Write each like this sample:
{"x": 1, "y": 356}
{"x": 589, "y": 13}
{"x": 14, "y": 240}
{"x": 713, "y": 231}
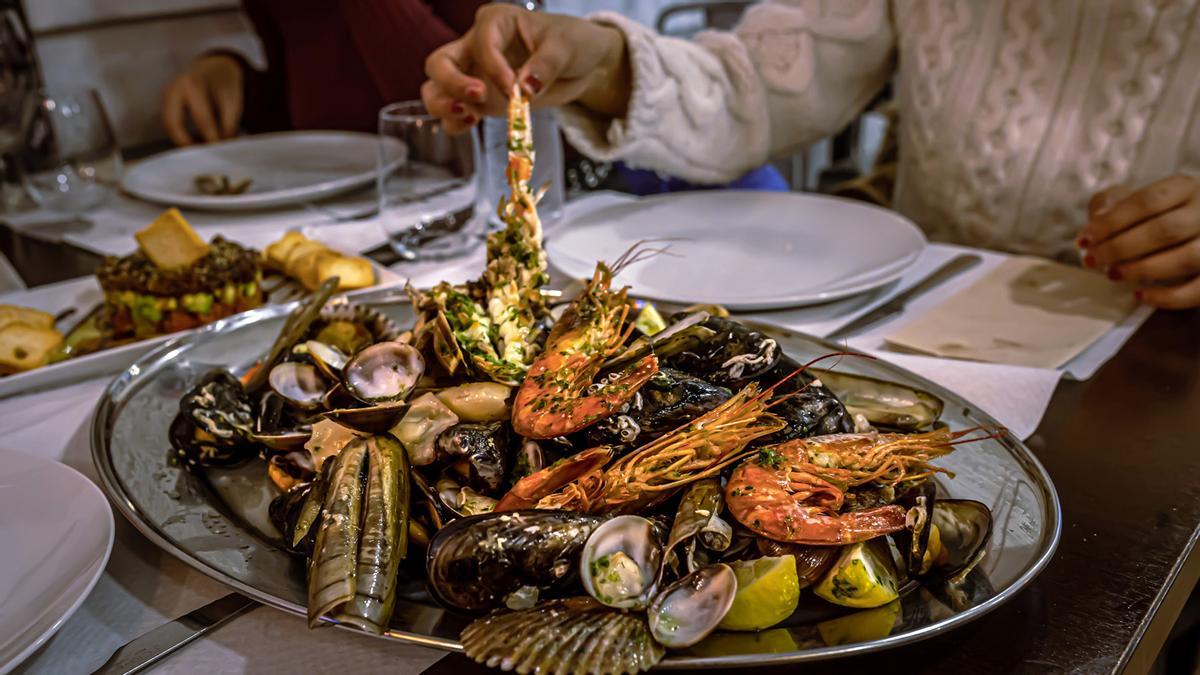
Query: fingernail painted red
{"x": 475, "y": 93}
{"x": 1114, "y": 273}
{"x": 1137, "y": 295}
{"x": 1083, "y": 242}
{"x": 1089, "y": 260}
{"x": 532, "y": 84}
{"x": 457, "y": 108}
{"x": 469, "y": 119}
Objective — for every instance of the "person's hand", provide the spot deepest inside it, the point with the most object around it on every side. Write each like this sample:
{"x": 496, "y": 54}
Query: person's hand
{"x": 557, "y": 60}
{"x": 1150, "y": 238}
{"x": 209, "y": 93}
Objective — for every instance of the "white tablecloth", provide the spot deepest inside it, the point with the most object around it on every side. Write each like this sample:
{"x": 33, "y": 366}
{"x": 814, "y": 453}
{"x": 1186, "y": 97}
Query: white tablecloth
{"x": 143, "y": 587}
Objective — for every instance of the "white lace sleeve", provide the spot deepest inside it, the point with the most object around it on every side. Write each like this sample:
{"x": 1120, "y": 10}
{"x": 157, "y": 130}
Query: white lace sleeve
{"x": 710, "y": 109}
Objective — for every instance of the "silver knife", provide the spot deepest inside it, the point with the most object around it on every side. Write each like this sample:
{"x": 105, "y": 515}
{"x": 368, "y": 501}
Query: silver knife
{"x": 149, "y": 648}
{"x": 958, "y": 264}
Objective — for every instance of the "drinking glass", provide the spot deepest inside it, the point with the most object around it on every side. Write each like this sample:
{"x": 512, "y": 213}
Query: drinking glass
{"x": 427, "y": 184}
{"x": 70, "y": 161}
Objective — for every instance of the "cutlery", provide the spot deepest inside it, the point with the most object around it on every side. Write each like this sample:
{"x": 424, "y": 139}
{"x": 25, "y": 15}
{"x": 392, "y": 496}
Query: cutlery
{"x": 954, "y": 266}
{"x": 149, "y": 648}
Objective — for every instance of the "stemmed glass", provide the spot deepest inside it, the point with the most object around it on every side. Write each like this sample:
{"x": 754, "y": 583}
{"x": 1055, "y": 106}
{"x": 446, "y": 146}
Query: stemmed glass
{"x": 70, "y": 161}
{"x": 427, "y": 184}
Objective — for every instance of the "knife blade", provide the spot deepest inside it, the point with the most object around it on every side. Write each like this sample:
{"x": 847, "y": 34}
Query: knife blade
{"x": 151, "y": 647}
{"x": 956, "y": 265}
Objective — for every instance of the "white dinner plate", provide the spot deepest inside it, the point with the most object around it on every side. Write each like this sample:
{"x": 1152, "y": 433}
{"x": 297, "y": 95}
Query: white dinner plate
{"x": 744, "y": 250}
{"x": 287, "y": 167}
{"x": 57, "y": 530}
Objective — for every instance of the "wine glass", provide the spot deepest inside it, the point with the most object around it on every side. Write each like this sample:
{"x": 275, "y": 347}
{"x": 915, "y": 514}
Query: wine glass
{"x": 427, "y": 184}
{"x": 70, "y": 162}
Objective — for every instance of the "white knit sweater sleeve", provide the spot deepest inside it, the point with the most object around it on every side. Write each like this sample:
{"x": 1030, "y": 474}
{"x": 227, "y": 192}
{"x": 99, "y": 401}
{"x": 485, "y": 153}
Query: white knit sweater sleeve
{"x": 710, "y": 109}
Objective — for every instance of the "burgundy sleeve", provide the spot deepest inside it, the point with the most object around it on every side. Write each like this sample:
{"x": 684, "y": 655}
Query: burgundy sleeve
{"x": 264, "y": 92}
{"x": 393, "y": 38}
{"x": 458, "y": 14}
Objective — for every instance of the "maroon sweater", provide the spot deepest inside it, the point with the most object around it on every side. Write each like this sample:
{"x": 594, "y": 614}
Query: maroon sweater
{"x": 332, "y": 64}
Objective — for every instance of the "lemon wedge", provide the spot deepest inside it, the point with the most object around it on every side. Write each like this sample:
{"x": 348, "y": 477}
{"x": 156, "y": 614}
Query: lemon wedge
{"x": 767, "y": 593}
{"x": 869, "y": 624}
{"x": 861, "y": 577}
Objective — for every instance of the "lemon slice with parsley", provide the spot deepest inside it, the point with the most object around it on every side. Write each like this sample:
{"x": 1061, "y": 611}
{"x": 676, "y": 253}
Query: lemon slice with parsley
{"x": 768, "y": 591}
{"x": 861, "y": 578}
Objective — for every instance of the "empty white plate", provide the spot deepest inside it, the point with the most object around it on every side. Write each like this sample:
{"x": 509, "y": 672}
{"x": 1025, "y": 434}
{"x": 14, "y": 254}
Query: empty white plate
{"x": 286, "y": 168}
{"x": 57, "y": 530}
{"x": 744, "y": 250}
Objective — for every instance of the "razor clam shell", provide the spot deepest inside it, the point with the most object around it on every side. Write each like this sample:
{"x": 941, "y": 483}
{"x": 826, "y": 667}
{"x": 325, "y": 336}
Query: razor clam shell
{"x": 698, "y": 518}
{"x": 333, "y": 568}
{"x": 887, "y": 404}
{"x": 576, "y": 636}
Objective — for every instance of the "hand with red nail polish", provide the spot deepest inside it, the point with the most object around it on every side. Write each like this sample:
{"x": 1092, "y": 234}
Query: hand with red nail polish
{"x": 556, "y": 59}
{"x": 1149, "y": 238}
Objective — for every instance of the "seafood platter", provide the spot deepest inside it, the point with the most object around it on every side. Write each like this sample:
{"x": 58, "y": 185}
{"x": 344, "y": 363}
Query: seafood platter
{"x": 575, "y": 482}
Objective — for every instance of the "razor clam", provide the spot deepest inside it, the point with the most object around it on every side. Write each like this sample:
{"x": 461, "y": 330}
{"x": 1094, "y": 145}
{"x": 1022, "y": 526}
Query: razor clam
{"x": 576, "y": 636}
{"x": 621, "y": 562}
{"x": 475, "y": 564}
{"x": 882, "y": 403}
{"x": 685, "y": 612}
{"x": 698, "y": 519}
{"x": 352, "y": 575}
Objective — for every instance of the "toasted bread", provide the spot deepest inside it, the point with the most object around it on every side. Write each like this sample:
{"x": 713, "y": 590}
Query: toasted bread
{"x": 33, "y": 317}
{"x": 25, "y": 347}
{"x": 352, "y": 272}
{"x": 277, "y": 253}
{"x": 170, "y": 243}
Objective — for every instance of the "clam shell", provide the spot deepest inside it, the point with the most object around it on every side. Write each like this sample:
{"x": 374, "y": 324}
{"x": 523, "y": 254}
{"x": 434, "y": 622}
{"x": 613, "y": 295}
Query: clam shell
{"x": 634, "y": 537}
{"x": 381, "y": 328}
{"x": 685, "y": 612}
{"x": 576, "y": 636}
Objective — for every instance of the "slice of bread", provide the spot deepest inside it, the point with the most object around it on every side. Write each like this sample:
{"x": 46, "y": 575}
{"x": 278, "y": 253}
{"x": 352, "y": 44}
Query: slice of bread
{"x": 24, "y": 347}
{"x": 33, "y": 317}
{"x": 170, "y": 243}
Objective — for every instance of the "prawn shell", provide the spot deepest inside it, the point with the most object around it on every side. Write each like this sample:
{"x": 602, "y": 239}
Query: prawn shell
{"x": 576, "y": 636}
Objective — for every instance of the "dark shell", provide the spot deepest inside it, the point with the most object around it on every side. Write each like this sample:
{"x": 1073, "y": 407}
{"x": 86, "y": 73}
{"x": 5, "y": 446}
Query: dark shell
{"x": 219, "y": 406}
{"x": 965, "y": 528}
{"x": 668, "y": 400}
{"x": 195, "y": 452}
{"x": 484, "y": 448}
{"x": 733, "y": 357}
{"x": 474, "y": 563}
{"x": 285, "y": 511}
{"x": 809, "y": 410}
{"x": 812, "y": 562}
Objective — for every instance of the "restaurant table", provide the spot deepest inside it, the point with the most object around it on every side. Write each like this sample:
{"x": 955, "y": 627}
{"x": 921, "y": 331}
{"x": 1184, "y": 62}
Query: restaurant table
{"x": 1123, "y": 449}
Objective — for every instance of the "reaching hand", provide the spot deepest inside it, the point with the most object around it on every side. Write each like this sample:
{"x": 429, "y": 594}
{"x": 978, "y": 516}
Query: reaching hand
{"x": 209, "y": 92}
{"x": 1150, "y": 238}
{"x": 557, "y": 59}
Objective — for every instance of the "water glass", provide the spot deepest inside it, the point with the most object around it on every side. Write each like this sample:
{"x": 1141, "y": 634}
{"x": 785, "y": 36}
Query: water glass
{"x": 427, "y": 184}
{"x": 70, "y": 161}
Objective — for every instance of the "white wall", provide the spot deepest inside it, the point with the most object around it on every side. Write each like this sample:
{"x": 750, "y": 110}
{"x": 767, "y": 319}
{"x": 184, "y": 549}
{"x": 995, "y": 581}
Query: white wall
{"x": 130, "y": 49}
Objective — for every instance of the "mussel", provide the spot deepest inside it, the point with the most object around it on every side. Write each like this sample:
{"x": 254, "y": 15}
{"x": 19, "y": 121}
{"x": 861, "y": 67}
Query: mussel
{"x": 666, "y": 401}
{"x": 621, "y": 561}
{"x": 698, "y": 521}
{"x": 482, "y": 448}
{"x": 732, "y": 356}
{"x": 808, "y": 407}
{"x": 478, "y": 563}
{"x": 886, "y": 404}
{"x": 812, "y": 562}
{"x": 215, "y": 423}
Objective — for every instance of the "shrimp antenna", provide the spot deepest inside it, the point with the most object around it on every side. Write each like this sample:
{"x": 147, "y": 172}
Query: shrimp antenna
{"x": 990, "y": 431}
{"x": 808, "y": 365}
{"x": 637, "y": 253}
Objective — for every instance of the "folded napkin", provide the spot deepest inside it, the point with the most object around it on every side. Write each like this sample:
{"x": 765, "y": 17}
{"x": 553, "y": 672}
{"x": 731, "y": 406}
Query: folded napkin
{"x": 1024, "y": 312}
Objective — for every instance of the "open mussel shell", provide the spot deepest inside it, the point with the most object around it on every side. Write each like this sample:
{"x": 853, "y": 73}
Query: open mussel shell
{"x": 964, "y": 528}
{"x": 276, "y": 428}
{"x": 576, "y": 636}
{"x": 475, "y": 564}
{"x": 375, "y": 419}
{"x": 288, "y": 469}
{"x": 732, "y": 355}
{"x": 383, "y": 373}
{"x": 620, "y": 562}
{"x": 882, "y": 403}
{"x": 686, "y": 333}
{"x": 199, "y": 450}
{"x": 219, "y": 406}
{"x": 812, "y": 562}
{"x": 300, "y": 384}
{"x": 685, "y": 612}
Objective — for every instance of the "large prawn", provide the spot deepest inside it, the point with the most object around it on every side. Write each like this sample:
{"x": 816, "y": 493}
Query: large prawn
{"x": 792, "y": 492}
{"x": 560, "y": 395}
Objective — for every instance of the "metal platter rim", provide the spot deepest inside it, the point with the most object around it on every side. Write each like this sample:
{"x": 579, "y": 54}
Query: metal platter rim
{"x": 108, "y": 407}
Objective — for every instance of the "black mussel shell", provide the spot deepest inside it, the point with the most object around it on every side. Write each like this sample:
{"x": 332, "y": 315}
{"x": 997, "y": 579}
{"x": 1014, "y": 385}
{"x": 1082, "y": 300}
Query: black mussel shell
{"x": 198, "y": 452}
{"x": 219, "y": 406}
{"x": 964, "y": 528}
{"x": 733, "y": 357}
{"x": 285, "y": 511}
{"x": 484, "y": 448}
{"x": 809, "y": 409}
{"x": 812, "y": 562}
{"x": 475, "y": 563}
{"x": 668, "y": 400}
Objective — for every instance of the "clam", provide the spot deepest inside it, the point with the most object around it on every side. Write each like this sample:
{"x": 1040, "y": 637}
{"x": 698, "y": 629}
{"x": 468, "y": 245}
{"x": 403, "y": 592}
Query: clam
{"x": 299, "y": 384}
{"x": 620, "y": 562}
{"x": 882, "y": 403}
{"x": 475, "y": 564}
{"x": 426, "y": 418}
{"x": 685, "y": 612}
{"x": 382, "y": 373}
{"x": 328, "y": 359}
{"x": 375, "y": 419}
